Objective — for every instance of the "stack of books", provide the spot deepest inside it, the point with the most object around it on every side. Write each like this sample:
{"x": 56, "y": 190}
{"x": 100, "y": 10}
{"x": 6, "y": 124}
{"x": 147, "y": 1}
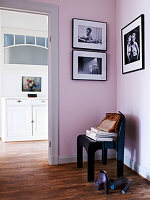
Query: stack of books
{"x": 99, "y": 135}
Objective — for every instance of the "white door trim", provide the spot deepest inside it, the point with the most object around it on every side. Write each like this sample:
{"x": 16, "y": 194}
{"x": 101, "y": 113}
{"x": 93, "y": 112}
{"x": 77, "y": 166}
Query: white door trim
{"x": 52, "y": 12}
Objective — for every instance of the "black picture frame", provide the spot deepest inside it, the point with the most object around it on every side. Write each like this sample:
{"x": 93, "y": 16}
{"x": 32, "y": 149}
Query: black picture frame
{"x": 89, "y": 65}
{"x": 88, "y": 34}
{"x": 132, "y": 39}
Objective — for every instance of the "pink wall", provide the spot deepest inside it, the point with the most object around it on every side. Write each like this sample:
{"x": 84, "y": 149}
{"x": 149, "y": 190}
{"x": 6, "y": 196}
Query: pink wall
{"x": 82, "y": 104}
{"x": 133, "y": 94}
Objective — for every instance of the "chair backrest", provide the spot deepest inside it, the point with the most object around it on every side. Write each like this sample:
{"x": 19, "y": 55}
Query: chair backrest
{"x": 121, "y": 136}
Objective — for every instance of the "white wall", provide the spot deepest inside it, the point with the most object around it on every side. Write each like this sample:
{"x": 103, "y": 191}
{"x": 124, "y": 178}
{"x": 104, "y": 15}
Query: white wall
{"x": 12, "y": 80}
{"x": 22, "y": 20}
{"x": 31, "y": 24}
{"x": 133, "y": 97}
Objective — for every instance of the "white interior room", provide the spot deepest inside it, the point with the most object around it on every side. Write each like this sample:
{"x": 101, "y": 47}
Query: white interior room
{"x": 23, "y": 72}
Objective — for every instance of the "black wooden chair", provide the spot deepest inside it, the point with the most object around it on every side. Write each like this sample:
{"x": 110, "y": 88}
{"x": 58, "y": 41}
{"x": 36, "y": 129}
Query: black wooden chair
{"x": 92, "y": 146}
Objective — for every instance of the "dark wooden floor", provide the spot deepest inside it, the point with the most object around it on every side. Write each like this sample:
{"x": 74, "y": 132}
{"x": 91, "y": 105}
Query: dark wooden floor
{"x": 25, "y": 174}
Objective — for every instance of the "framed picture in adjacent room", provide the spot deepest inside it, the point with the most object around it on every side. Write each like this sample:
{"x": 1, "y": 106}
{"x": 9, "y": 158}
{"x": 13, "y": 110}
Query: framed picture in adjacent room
{"x": 132, "y": 37}
{"x": 89, "y": 65}
{"x": 31, "y": 84}
{"x": 89, "y": 34}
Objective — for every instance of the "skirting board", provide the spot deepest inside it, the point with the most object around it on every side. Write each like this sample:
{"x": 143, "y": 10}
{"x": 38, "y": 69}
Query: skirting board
{"x": 136, "y": 167}
{"x": 111, "y": 154}
{"x": 73, "y": 158}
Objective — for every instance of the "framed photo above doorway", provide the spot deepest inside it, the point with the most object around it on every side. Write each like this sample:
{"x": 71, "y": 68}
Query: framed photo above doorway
{"x": 132, "y": 37}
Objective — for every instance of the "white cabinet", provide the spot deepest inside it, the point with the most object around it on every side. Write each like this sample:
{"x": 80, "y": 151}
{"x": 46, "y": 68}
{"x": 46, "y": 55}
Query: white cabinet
{"x": 24, "y": 120}
{"x": 19, "y": 117}
{"x": 40, "y": 122}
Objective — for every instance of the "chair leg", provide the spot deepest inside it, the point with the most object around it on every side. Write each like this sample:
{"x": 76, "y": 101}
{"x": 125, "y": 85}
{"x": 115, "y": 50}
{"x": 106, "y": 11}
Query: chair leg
{"x": 104, "y": 156}
{"x": 119, "y": 168}
{"x": 90, "y": 171}
{"x": 79, "y": 155}
{"x": 120, "y": 164}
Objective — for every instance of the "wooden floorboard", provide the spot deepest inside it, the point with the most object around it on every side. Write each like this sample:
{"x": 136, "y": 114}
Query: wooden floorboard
{"x": 26, "y": 175}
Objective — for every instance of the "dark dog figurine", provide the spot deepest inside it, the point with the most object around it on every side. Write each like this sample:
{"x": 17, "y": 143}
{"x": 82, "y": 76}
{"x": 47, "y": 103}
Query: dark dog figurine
{"x": 106, "y": 183}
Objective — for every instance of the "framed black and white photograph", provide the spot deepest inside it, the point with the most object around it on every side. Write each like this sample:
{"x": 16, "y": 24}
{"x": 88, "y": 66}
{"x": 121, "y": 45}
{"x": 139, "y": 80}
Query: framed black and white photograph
{"x": 89, "y": 66}
{"x": 89, "y": 34}
{"x": 132, "y": 37}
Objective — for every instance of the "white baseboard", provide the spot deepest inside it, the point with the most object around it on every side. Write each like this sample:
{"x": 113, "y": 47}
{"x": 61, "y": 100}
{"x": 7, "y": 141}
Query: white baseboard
{"x": 73, "y": 158}
{"x": 140, "y": 169}
{"x": 143, "y": 171}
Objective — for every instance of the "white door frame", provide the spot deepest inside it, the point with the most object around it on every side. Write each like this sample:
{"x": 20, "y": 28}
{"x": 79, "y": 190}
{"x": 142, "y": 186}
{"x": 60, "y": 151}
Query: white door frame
{"x": 52, "y": 12}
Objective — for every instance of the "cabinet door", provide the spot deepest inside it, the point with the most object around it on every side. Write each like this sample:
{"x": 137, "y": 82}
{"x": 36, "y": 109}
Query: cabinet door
{"x": 40, "y": 121}
{"x": 19, "y": 119}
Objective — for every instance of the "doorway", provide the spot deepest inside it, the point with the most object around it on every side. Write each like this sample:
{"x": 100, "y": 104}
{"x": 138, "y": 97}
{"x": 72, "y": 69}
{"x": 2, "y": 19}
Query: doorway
{"x": 24, "y": 64}
{"x": 52, "y": 12}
